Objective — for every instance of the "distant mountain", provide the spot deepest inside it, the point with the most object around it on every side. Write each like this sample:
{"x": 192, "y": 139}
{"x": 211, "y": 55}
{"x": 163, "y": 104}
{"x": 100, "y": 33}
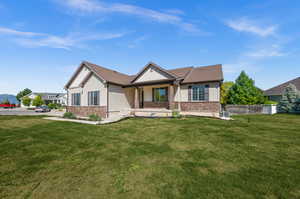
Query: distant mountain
{"x": 11, "y": 98}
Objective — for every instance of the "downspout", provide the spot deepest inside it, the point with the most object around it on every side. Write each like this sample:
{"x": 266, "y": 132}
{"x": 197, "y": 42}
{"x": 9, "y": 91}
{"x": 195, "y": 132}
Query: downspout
{"x": 107, "y": 101}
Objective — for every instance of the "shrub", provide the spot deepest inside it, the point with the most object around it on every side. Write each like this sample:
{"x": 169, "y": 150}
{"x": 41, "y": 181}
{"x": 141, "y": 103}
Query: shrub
{"x": 94, "y": 117}
{"x": 270, "y": 102}
{"x": 52, "y": 106}
{"x": 176, "y": 114}
{"x": 69, "y": 115}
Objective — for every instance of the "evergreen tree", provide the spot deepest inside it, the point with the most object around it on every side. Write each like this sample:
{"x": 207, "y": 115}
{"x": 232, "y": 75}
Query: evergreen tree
{"x": 245, "y": 92}
{"x": 289, "y": 100}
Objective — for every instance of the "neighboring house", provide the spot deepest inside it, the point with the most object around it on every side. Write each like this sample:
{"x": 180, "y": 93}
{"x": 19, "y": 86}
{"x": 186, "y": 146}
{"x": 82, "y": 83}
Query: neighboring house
{"x": 97, "y": 90}
{"x": 56, "y": 98}
{"x": 276, "y": 92}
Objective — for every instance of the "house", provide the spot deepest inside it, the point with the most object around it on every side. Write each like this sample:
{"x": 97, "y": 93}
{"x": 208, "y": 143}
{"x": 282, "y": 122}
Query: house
{"x": 56, "y": 98}
{"x": 276, "y": 92}
{"x": 97, "y": 90}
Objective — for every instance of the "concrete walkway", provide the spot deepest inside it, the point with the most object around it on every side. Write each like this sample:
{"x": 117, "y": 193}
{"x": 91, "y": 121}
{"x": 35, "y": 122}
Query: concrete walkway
{"x": 105, "y": 121}
{"x": 70, "y": 120}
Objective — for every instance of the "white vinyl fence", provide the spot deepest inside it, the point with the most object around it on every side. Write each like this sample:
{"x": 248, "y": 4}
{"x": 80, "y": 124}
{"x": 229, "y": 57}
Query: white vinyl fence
{"x": 251, "y": 109}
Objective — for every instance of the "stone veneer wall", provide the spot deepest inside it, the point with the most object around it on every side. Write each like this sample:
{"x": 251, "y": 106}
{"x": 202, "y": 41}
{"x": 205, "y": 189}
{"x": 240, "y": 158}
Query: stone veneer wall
{"x": 85, "y": 111}
{"x": 205, "y": 107}
{"x": 156, "y": 104}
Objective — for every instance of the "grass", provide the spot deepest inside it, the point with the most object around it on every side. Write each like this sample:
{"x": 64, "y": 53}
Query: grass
{"x": 251, "y": 157}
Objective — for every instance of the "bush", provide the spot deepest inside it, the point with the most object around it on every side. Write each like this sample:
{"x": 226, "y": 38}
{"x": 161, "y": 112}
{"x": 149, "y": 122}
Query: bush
{"x": 270, "y": 102}
{"x": 94, "y": 117}
{"x": 176, "y": 114}
{"x": 69, "y": 115}
{"x": 52, "y": 106}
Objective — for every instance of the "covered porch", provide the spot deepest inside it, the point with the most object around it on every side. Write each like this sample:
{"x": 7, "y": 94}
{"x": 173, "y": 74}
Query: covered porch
{"x": 153, "y": 97}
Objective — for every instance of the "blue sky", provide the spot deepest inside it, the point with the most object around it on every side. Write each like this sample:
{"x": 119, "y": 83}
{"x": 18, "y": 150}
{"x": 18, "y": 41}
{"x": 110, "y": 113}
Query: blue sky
{"x": 43, "y": 41}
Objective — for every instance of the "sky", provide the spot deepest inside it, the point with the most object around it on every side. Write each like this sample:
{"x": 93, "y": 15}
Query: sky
{"x": 44, "y": 41}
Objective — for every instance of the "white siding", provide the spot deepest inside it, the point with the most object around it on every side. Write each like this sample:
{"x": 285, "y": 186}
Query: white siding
{"x": 120, "y": 98}
{"x": 80, "y": 77}
{"x": 93, "y": 84}
{"x": 151, "y": 75}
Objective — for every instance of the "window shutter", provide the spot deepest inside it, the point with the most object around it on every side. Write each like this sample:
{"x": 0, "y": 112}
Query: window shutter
{"x": 153, "y": 94}
{"x": 206, "y": 93}
{"x": 190, "y": 93}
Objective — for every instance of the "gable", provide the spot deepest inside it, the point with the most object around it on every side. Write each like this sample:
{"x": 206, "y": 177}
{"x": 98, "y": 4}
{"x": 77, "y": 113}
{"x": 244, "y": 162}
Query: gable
{"x": 80, "y": 77}
{"x": 151, "y": 74}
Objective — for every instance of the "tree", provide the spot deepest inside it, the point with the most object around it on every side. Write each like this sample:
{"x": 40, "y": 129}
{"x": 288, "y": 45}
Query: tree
{"x": 245, "y": 92}
{"x": 225, "y": 91}
{"x": 289, "y": 100}
{"x": 26, "y": 101}
{"x": 23, "y": 93}
{"x": 38, "y": 101}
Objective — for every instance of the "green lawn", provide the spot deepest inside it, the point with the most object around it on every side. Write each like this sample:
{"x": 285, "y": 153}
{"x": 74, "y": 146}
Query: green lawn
{"x": 251, "y": 157}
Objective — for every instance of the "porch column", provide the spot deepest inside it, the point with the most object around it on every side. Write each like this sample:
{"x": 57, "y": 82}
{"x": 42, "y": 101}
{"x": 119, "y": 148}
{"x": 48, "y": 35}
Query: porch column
{"x": 171, "y": 97}
{"x": 136, "y": 98}
{"x": 179, "y": 96}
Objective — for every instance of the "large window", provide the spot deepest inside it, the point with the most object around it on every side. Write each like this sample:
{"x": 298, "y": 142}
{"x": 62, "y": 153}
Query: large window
{"x": 75, "y": 99}
{"x": 93, "y": 98}
{"x": 198, "y": 93}
{"x": 160, "y": 94}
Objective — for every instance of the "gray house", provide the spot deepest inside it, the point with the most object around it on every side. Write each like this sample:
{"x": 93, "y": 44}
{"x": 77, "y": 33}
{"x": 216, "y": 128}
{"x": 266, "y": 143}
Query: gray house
{"x": 94, "y": 89}
{"x": 275, "y": 93}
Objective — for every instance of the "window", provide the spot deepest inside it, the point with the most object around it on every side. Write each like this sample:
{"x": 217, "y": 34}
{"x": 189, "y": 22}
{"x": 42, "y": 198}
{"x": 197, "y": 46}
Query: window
{"x": 75, "y": 99}
{"x": 198, "y": 93}
{"x": 160, "y": 94}
{"x": 93, "y": 98}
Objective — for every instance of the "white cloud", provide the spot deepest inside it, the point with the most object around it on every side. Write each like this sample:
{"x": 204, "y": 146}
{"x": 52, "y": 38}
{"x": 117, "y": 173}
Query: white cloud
{"x": 270, "y": 51}
{"x": 250, "y": 26}
{"x": 93, "y": 6}
{"x": 9, "y": 31}
{"x": 33, "y": 39}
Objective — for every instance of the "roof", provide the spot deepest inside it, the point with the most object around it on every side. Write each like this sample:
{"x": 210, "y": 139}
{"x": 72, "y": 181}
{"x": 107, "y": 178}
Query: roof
{"x": 46, "y": 96}
{"x": 157, "y": 67}
{"x": 278, "y": 90}
{"x": 186, "y": 74}
{"x": 110, "y": 75}
{"x": 205, "y": 74}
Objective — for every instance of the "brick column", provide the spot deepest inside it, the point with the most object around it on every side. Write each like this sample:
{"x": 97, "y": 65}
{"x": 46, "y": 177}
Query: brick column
{"x": 136, "y": 98}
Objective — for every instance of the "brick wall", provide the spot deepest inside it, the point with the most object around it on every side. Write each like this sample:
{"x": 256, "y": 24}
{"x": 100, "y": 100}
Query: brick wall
{"x": 156, "y": 104}
{"x": 85, "y": 111}
{"x": 205, "y": 107}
